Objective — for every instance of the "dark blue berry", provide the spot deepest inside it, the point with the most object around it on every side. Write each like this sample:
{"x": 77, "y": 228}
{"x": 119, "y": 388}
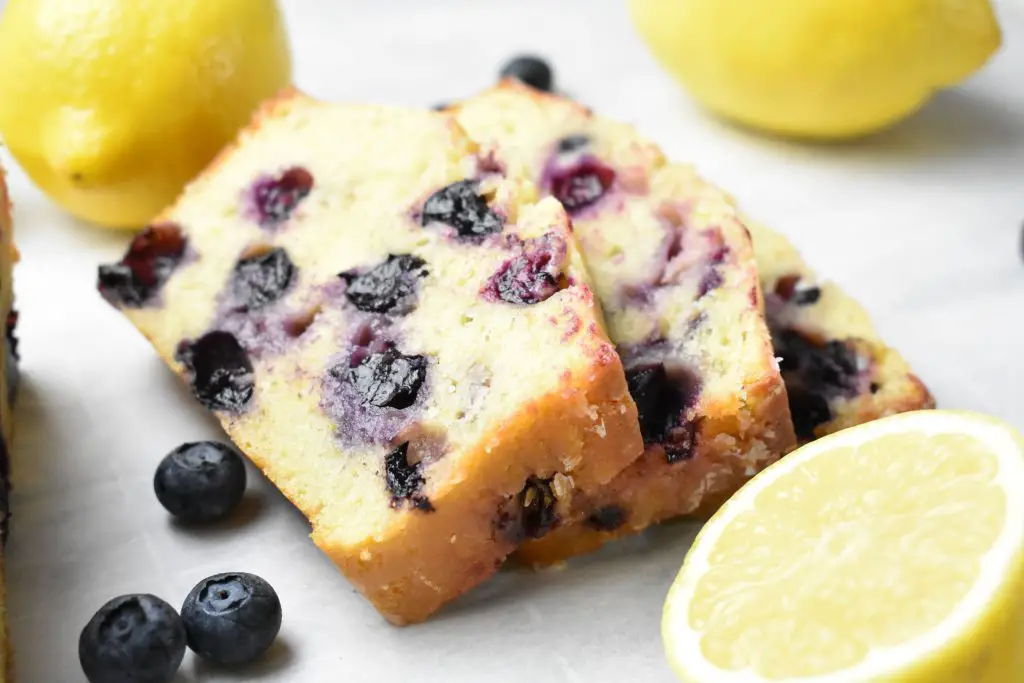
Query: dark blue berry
{"x": 663, "y": 399}
{"x": 537, "y": 503}
{"x": 530, "y": 277}
{"x": 572, "y": 143}
{"x": 388, "y": 287}
{"x": 809, "y": 410}
{"x": 389, "y": 379}
{"x": 222, "y": 375}
{"x": 231, "y": 618}
{"x": 275, "y": 199}
{"x": 814, "y": 372}
{"x": 132, "y": 639}
{"x": 261, "y": 279}
{"x": 531, "y": 70}
{"x": 460, "y": 206}
{"x": 151, "y": 258}
{"x": 581, "y": 184}
{"x": 404, "y": 480}
{"x": 200, "y": 482}
{"x": 607, "y": 518}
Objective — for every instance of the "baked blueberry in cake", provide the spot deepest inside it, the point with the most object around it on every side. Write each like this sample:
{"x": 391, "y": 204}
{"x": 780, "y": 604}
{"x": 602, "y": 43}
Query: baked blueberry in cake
{"x": 674, "y": 270}
{"x": 8, "y": 387}
{"x": 838, "y": 371}
{"x": 404, "y": 341}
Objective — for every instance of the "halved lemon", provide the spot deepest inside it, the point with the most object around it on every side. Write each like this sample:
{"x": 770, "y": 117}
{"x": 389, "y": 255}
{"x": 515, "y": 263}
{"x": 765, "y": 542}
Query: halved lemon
{"x": 892, "y": 551}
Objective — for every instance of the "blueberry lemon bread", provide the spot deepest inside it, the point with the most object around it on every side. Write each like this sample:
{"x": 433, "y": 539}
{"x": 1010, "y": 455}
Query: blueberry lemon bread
{"x": 674, "y": 270}
{"x": 8, "y": 385}
{"x": 838, "y": 372}
{"x": 400, "y": 338}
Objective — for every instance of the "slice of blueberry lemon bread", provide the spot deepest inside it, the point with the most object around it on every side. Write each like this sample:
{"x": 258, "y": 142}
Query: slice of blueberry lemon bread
{"x": 403, "y": 340}
{"x": 674, "y": 270}
{"x": 838, "y": 371}
{"x": 8, "y": 386}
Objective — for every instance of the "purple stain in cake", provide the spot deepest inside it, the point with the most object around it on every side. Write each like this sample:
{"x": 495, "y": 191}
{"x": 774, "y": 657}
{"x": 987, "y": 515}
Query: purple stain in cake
{"x": 388, "y": 378}
{"x": 138, "y": 276}
{"x": 261, "y": 279}
{"x": 665, "y": 397}
{"x": 580, "y": 184}
{"x": 404, "y": 479}
{"x": 710, "y": 281}
{"x": 462, "y": 207}
{"x": 222, "y": 374}
{"x": 533, "y": 275}
{"x": 354, "y": 409}
{"x": 815, "y": 373}
{"x": 388, "y": 287}
{"x": 607, "y": 518}
{"x": 273, "y": 199}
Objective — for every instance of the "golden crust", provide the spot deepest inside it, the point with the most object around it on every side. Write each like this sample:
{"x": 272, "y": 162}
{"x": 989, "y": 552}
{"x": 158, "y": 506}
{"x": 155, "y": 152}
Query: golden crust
{"x": 732, "y": 446}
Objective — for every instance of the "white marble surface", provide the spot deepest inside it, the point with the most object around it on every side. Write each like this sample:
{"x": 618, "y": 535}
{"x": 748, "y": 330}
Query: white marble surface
{"x": 922, "y": 224}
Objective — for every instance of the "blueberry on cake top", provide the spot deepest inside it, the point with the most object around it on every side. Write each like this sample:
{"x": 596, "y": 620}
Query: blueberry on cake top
{"x": 838, "y": 371}
{"x": 674, "y": 270}
{"x": 402, "y": 340}
{"x": 8, "y": 387}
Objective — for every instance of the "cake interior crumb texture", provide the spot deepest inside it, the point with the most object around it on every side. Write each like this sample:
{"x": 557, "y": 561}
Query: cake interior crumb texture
{"x": 401, "y": 337}
{"x": 674, "y": 269}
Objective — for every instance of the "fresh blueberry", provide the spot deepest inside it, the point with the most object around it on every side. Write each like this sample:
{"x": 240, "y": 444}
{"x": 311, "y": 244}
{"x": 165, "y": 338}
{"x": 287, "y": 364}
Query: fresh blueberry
{"x": 581, "y": 184}
{"x": 537, "y": 503}
{"x": 460, "y": 206}
{"x": 404, "y": 480}
{"x": 531, "y": 70}
{"x": 151, "y": 258}
{"x": 262, "y": 279}
{"x": 388, "y": 287}
{"x": 231, "y": 618}
{"x": 607, "y": 518}
{"x": 530, "y": 277}
{"x": 200, "y": 482}
{"x": 132, "y": 639}
{"x": 388, "y": 378}
{"x": 274, "y": 199}
{"x": 222, "y": 374}
{"x": 663, "y": 400}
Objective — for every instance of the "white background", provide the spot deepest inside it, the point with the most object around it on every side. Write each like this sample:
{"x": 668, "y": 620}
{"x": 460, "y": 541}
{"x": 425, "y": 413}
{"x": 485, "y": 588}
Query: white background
{"x": 922, "y": 223}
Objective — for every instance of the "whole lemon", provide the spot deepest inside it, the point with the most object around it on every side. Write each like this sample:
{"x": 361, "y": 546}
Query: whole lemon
{"x": 111, "y": 106}
{"x": 817, "y": 68}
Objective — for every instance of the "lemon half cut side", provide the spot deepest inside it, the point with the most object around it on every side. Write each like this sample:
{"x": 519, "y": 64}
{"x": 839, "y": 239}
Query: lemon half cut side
{"x": 892, "y": 551}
